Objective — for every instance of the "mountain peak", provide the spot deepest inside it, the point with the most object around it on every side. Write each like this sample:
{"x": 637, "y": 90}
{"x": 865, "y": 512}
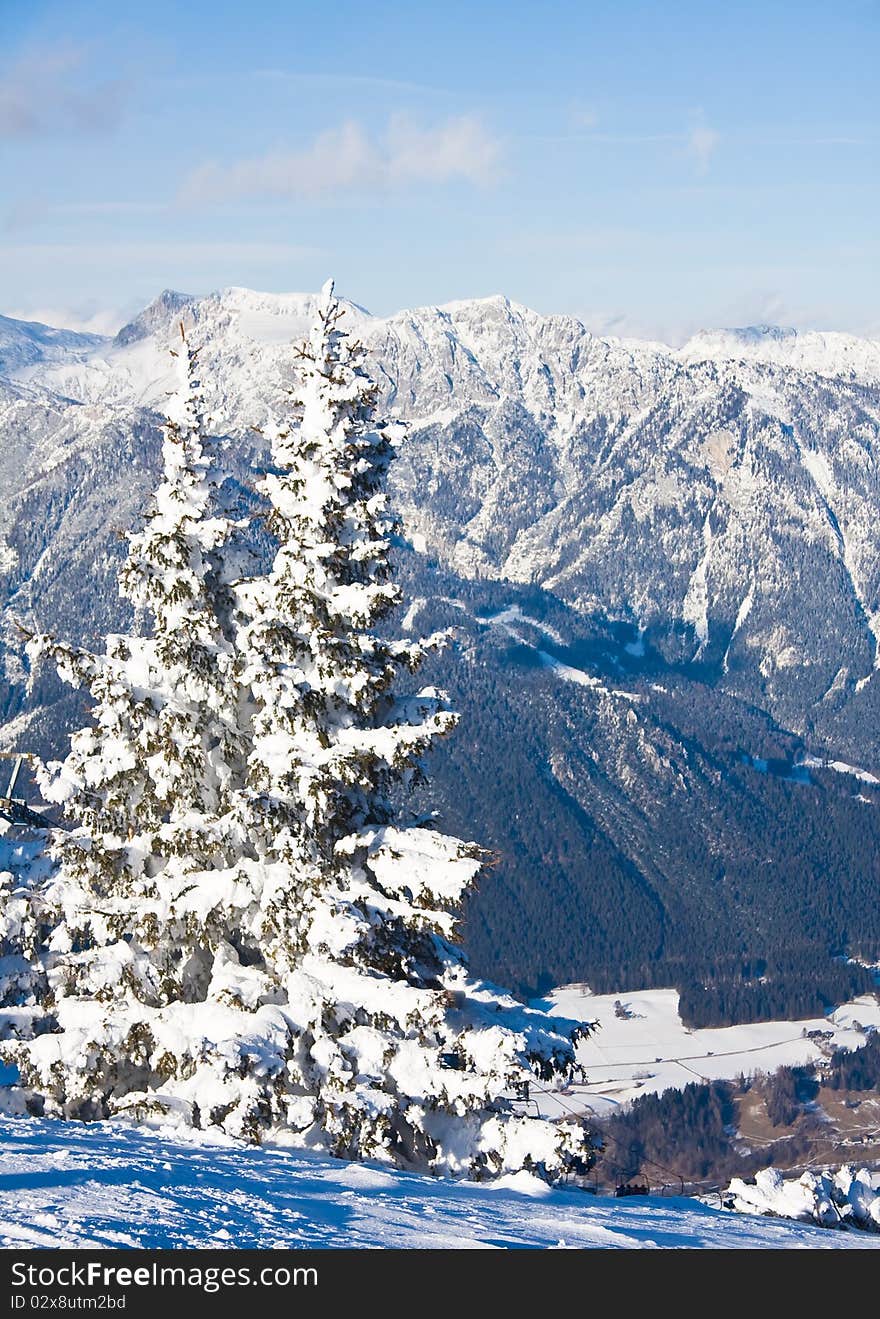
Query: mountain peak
{"x": 158, "y": 313}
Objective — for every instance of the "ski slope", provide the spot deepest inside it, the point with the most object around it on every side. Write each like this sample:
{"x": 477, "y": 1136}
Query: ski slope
{"x": 105, "y": 1185}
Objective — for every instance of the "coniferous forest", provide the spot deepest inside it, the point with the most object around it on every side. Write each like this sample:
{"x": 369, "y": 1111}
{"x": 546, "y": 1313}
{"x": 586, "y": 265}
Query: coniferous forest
{"x": 748, "y": 891}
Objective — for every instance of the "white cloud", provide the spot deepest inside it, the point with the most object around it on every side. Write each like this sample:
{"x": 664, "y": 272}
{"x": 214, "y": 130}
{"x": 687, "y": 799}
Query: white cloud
{"x": 701, "y": 144}
{"x": 341, "y": 79}
{"x": 87, "y": 320}
{"x": 629, "y": 325}
{"x": 754, "y": 305}
{"x": 110, "y": 208}
{"x": 348, "y": 159}
{"x": 50, "y": 92}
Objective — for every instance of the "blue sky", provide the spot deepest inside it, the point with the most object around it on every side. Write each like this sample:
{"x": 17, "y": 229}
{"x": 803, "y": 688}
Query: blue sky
{"x": 651, "y": 168}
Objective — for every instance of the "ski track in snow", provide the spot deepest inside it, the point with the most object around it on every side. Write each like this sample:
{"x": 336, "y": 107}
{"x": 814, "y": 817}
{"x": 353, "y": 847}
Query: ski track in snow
{"x": 799, "y": 771}
{"x": 418, "y": 604}
{"x": 513, "y": 614}
{"x": 569, "y": 674}
{"x": 107, "y": 1185}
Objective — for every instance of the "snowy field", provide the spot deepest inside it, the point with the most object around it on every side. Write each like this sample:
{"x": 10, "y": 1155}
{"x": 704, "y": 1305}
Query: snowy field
{"x": 63, "y": 1184}
{"x": 651, "y": 1050}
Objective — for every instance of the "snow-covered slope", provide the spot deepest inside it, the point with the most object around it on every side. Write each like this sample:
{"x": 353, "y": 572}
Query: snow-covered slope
{"x": 827, "y": 354}
{"x": 62, "y": 1184}
{"x": 645, "y": 1048}
{"x": 26, "y": 343}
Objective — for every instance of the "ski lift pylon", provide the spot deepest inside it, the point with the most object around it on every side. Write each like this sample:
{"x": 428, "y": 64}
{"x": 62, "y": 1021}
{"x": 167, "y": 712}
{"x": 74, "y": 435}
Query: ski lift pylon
{"x": 12, "y": 809}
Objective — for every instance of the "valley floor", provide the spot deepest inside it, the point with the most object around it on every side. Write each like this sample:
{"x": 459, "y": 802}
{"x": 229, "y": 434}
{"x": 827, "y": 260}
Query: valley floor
{"x": 107, "y": 1185}
{"x": 647, "y": 1049}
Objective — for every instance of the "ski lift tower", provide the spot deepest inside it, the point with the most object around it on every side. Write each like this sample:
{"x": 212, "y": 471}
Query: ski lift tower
{"x": 12, "y": 809}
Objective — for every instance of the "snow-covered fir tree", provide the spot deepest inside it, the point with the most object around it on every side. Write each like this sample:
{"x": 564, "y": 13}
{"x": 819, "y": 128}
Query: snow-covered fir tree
{"x": 136, "y": 905}
{"x": 400, "y": 1054}
{"x": 248, "y": 934}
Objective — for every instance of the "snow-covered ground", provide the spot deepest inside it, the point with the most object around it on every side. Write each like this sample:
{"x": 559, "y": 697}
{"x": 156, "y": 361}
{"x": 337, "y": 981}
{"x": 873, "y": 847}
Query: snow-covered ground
{"x": 651, "y": 1050}
{"x": 64, "y": 1184}
{"x": 844, "y": 1197}
{"x": 508, "y": 619}
{"x": 841, "y": 767}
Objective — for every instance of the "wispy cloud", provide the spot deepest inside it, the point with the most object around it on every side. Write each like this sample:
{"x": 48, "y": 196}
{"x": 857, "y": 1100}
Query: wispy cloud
{"x": 86, "y": 319}
{"x": 699, "y": 140}
{"x": 574, "y": 242}
{"x": 841, "y": 140}
{"x": 337, "y": 80}
{"x": 625, "y": 325}
{"x": 340, "y": 78}
{"x": 28, "y": 212}
{"x": 614, "y": 139}
{"x": 50, "y": 92}
{"x": 109, "y": 208}
{"x": 349, "y": 159}
{"x": 701, "y": 143}
{"x": 755, "y": 305}
{"x": 25, "y": 213}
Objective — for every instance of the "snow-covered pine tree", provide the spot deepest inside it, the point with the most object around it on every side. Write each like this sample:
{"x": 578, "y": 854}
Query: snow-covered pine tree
{"x": 399, "y": 1054}
{"x": 144, "y": 893}
{"x": 245, "y": 933}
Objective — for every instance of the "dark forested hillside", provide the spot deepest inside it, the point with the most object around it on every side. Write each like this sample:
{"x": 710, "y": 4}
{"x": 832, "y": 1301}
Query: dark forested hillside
{"x": 634, "y": 843}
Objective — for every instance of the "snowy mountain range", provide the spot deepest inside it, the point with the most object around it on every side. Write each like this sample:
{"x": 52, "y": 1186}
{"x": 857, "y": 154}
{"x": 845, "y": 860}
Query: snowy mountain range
{"x": 713, "y": 496}
{"x": 663, "y": 565}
